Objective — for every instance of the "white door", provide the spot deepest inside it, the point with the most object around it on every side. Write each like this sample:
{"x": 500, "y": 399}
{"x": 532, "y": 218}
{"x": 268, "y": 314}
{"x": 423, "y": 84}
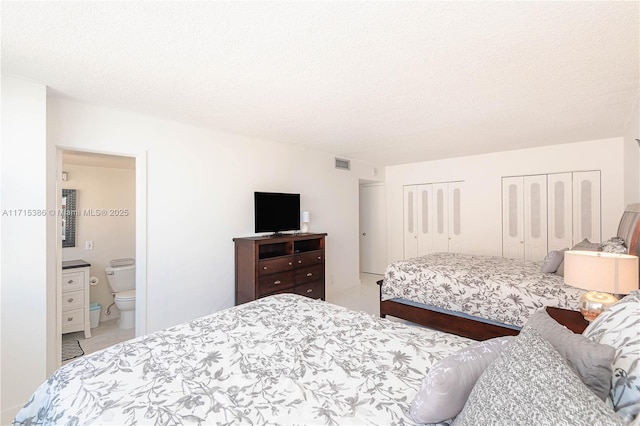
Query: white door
{"x": 586, "y": 206}
{"x": 560, "y": 205}
{"x": 373, "y": 242}
{"x": 425, "y": 219}
{"x": 410, "y": 226}
{"x": 440, "y": 218}
{"x": 512, "y": 217}
{"x": 454, "y": 212}
{"x": 535, "y": 217}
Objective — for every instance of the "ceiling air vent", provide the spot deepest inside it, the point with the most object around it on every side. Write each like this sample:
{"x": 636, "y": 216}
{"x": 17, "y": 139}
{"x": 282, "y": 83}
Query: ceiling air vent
{"x": 343, "y": 164}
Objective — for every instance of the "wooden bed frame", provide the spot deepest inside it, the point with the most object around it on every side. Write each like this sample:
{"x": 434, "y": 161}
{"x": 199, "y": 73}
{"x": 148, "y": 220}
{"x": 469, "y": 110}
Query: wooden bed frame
{"x": 448, "y": 323}
{"x": 628, "y": 230}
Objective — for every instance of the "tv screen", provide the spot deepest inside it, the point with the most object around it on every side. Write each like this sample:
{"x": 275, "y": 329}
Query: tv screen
{"x": 276, "y": 212}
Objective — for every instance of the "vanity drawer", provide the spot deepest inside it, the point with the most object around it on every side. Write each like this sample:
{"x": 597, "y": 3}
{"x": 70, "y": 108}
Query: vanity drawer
{"x": 72, "y": 280}
{"x": 306, "y": 275}
{"x": 72, "y": 319}
{"x": 314, "y": 290}
{"x": 273, "y": 266}
{"x": 275, "y": 282}
{"x": 308, "y": 259}
{"x": 72, "y": 299}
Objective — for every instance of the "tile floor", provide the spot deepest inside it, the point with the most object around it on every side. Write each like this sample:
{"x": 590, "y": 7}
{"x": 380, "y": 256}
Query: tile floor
{"x": 104, "y": 335}
{"x": 360, "y": 297}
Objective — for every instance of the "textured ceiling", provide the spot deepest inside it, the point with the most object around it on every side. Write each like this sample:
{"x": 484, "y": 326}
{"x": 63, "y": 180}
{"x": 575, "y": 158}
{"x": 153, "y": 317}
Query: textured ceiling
{"x": 385, "y": 82}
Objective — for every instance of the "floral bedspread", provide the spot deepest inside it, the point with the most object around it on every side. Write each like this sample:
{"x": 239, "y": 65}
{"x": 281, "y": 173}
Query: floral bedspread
{"x": 284, "y": 359}
{"x": 504, "y": 290}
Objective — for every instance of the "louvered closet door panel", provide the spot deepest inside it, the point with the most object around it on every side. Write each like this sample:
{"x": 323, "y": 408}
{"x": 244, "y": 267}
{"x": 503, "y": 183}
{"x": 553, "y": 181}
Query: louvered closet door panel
{"x": 410, "y": 222}
{"x": 559, "y": 201}
{"x": 454, "y": 211}
{"x": 440, "y": 218}
{"x": 425, "y": 219}
{"x": 586, "y": 206}
{"x": 535, "y": 217}
{"x": 512, "y": 217}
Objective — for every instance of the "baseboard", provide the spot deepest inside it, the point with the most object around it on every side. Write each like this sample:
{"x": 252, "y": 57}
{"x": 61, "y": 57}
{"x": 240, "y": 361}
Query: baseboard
{"x": 8, "y": 414}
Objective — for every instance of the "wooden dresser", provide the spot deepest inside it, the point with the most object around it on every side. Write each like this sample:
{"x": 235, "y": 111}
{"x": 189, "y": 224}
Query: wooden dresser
{"x": 284, "y": 264}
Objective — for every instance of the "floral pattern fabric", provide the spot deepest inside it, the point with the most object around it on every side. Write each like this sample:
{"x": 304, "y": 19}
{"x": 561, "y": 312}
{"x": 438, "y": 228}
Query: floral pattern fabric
{"x": 284, "y": 359}
{"x": 505, "y": 290}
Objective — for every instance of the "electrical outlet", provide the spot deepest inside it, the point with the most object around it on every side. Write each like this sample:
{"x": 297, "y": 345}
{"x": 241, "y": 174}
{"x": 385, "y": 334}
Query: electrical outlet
{"x": 88, "y": 245}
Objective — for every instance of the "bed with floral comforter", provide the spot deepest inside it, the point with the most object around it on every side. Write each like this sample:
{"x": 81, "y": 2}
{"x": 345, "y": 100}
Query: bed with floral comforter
{"x": 284, "y": 359}
{"x": 506, "y": 291}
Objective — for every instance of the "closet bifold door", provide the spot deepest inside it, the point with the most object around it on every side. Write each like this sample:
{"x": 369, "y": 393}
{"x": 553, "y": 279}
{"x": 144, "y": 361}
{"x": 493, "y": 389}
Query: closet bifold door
{"x": 425, "y": 219}
{"x": 586, "y": 206}
{"x": 535, "y": 217}
{"x": 513, "y": 217}
{"x": 440, "y": 218}
{"x": 560, "y": 205}
{"x": 410, "y": 219}
{"x": 455, "y": 190}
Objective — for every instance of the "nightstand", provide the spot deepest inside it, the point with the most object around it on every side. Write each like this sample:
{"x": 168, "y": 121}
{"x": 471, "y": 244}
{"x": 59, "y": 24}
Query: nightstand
{"x": 573, "y": 320}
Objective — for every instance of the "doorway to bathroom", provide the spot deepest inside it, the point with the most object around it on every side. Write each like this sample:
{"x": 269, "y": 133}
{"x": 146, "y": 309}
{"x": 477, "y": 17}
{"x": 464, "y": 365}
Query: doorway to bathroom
{"x": 97, "y": 228}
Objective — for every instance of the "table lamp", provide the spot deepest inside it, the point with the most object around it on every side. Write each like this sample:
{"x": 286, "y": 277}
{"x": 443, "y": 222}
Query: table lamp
{"x": 603, "y": 274}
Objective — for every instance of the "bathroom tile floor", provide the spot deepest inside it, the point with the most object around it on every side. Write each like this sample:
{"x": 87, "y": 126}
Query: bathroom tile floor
{"x": 105, "y": 335}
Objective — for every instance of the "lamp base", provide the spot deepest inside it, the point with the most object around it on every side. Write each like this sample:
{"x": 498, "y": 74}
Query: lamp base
{"x": 304, "y": 228}
{"x": 592, "y": 303}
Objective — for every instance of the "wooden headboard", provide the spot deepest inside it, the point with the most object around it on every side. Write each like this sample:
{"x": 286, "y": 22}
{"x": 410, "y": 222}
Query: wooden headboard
{"x": 629, "y": 228}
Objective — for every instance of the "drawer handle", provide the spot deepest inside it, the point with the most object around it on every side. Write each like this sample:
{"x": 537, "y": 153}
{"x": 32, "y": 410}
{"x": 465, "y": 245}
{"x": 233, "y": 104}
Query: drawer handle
{"x": 290, "y": 263}
{"x": 69, "y": 319}
{"x": 264, "y": 267}
{"x": 309, "y": 274}
{"x": 310, "y": 290}
{"x": 70, "y": 282}
{"x": 70, "y": 300}
{"x": 299, "y": 261}
{"x": 319, "y": 257}
{"x": 277, "y": 282}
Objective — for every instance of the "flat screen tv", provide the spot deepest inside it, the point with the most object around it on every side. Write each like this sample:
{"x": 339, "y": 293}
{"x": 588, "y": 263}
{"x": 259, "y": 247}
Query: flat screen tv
{"x": 276, "y": 212}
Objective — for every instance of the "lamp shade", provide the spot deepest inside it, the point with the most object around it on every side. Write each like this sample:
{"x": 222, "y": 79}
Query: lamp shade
{"x": 305, "y": 216}
{"x": 601, "y": 271}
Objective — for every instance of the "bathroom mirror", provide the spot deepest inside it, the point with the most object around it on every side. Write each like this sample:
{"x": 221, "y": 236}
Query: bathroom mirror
{"x": 68, "y": 215}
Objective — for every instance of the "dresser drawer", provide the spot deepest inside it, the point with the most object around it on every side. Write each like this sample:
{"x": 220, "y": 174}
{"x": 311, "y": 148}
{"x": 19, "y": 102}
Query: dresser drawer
{"x": 72, "y": 280}
{"x": 315, "y": 290}
{"x": 273, "y": 266}
{"x": 72, "y": 319}
{"x": 72, "y": 299}
{"x": 308, "y": 259}
{"x": 275, "y": 282}
{"x": 306, "y": 275}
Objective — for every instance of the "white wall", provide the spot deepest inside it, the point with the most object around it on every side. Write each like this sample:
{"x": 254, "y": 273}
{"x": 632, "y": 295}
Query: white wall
{"x": 28, "y": 302}
{"x": 632, "y": 159}
{"x": 113, "y": 236}
{"x": 200, "y": 196}
{"x": 481, "y": 202}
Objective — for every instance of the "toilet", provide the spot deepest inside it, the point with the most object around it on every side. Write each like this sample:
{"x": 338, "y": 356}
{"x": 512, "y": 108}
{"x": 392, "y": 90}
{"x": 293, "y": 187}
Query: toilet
{"x": 121, "y": 276}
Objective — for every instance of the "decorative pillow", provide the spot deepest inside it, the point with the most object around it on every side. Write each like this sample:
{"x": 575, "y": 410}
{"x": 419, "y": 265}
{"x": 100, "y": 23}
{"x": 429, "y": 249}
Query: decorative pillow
{"x": 449, "y": 382}
{"x": 531, "y": 384}
{"x": 619, "y": 326}
{"x": 614, "y": 245}
{"x": 552, "y": 260}
{"x": 584, "y": 245}
{"x": 591, "y": 361}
